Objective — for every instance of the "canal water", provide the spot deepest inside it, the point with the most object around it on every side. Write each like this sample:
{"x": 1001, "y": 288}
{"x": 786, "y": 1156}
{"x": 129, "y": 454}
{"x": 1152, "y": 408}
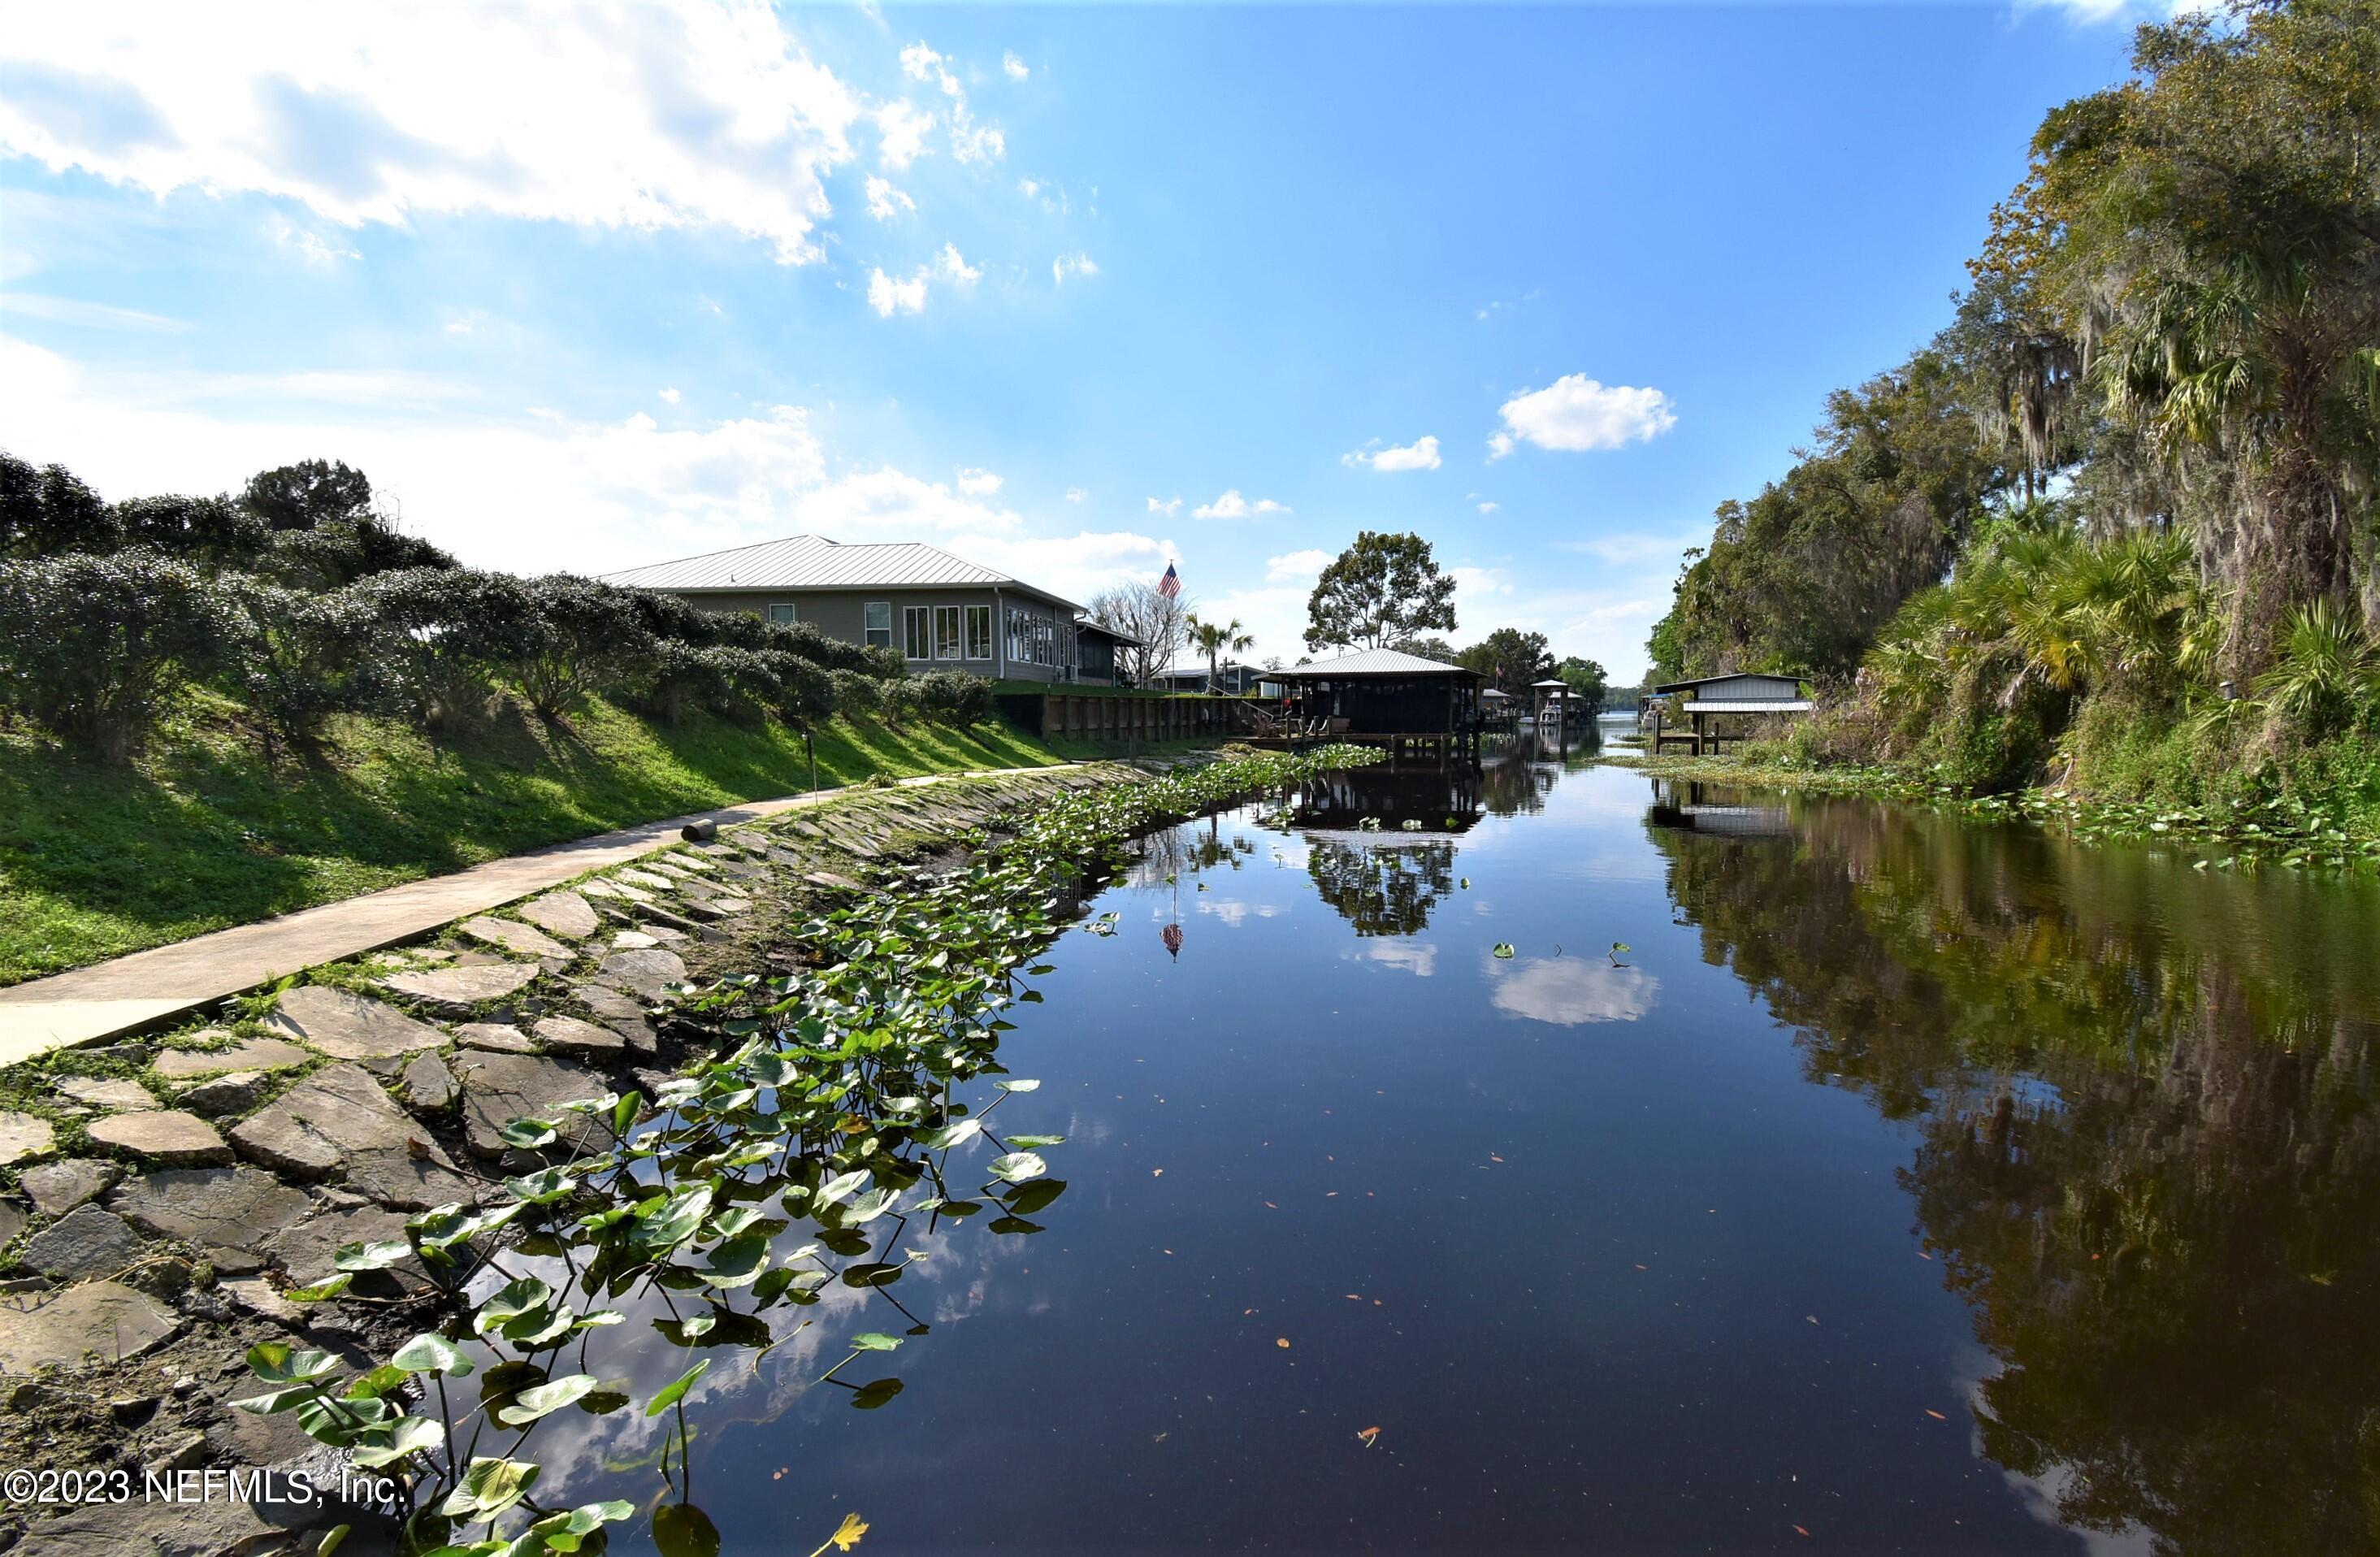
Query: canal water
{"x": 1601, "y": 1164}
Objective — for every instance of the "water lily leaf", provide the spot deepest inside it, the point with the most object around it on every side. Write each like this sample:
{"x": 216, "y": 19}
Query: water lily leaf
{"x": 1013, "y": 1224}
{"x": 838, "y": 1187}
{"x": 1502, "y": 949}
{"x": 490, "y": 1486}
{"x": 955, "y": 1133}
{"x": 680, "y": 1529}
{"x": 406, "y": 1435}
{"x": 875, "y": 1340}
{"x": 528, "y": 1134}
{"x": 868, "y": 1397}
{"x": 529, "y": 1405}
{"x": 377, "y": 1255}
{"x": 1017, "y": 1166}
{"x": 322, "y": 1292}
{"x": 277, "y": 1362}
{"x": 737, "y": 1263}
{"x": 1034, "y": 1143}
{"x": 431, "y": 1354}
{"x": 875, "y": 1273}
{"x": 671, "y": 1393}
{"x": 1016, "y": 1085}
{"x": 870, "y": 1206}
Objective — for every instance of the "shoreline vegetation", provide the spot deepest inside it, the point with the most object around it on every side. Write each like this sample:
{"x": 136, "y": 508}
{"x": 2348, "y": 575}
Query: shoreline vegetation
{"x": 2284, "y": 827}
{"x": 2107, "y": 549}
{"x": 798, "y": 1022}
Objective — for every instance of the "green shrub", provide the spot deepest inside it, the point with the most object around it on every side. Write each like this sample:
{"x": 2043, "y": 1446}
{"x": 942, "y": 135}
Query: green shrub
{"x": 47, "y": 511}
{"x": 456, "y": 630}
{"x": 857, "y": 695}
{"x": 209, "y": 532}
{"x": 91, "y": 647}
{"x": 576, "y": 635}
{"x": 295, "y": 659}
{"x": 953, "y": 697}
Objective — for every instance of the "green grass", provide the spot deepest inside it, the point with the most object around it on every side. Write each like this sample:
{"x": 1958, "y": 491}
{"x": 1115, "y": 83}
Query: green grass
{"x": 95, "y": 862}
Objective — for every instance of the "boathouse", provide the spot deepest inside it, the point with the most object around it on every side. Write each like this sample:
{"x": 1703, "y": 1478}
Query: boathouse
{"x": 1386, "y": 697}
{"x": 1703, "y": 700}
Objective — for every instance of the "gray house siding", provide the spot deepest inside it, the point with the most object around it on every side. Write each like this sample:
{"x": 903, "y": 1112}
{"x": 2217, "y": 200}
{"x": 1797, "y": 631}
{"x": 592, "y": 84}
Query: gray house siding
{"x": 1042, "y": 649}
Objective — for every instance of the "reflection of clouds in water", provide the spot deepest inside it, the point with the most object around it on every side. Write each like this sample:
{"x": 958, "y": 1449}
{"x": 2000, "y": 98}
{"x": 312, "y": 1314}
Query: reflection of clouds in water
{"x": 1568, "y": 990}
{"x": 1613, "y": 865}
{"x": 1414, "y": 956}
{"x": 1087, "y": 1132}
{"x": 1234, "y": 911}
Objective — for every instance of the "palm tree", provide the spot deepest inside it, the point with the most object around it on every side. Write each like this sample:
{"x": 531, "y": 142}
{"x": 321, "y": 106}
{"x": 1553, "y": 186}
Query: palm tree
{"x": 1214, "y": 639}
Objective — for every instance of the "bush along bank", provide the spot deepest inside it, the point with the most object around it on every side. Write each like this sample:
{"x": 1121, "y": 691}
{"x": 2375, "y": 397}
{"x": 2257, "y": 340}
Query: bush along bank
{"x": 670, "y": 1070}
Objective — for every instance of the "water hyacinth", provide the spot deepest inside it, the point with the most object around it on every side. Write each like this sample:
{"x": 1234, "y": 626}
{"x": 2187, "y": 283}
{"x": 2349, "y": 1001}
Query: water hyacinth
{"x": 842, "y": 1096}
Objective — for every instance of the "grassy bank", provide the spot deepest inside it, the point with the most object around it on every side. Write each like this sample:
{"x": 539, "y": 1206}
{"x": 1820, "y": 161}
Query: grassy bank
{"x": 200, "y": 834}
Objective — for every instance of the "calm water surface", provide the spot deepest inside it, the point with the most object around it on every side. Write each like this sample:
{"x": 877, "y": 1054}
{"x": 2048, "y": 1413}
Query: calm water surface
{"x": 1906, "y": 1186}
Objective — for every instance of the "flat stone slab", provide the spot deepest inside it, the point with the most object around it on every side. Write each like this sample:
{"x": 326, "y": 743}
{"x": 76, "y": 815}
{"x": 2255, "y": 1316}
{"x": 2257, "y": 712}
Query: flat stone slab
{"x": 254, "y": 1054}
{"x": 652, "y": 880}
{"x": 105, "y": 1091}
{"x": 644, "y": 972}
{"x": 463, "y": 986}
{"x": 58, "y": 1187}
{"x": 167, "y": 1135}
{"x": 215, "y": 1208}
{"x": 564, "y": 913}
{"x": 429, "y": 1085}
{"x": 306, "y": 1249}
{"x": 23, "y": 1136}
{"x": 500, "y": 1037}
{"x": 84, "y": 1243}
{"x": 620, "y": 890}
{"x": 338, "y": 1121}
{"x": 350, "y": 1026}
{"x": 632, "y": 940}
{"x": 568, "y": 1035}
{"x": 498, "y": 1088}
{"x": 101, "y": 1320}
{"x": 513, "y": 936}
{"x": 234, "y": 1093}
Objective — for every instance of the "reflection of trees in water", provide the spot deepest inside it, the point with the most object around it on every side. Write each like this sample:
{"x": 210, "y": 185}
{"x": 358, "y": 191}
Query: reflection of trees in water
{"x": 2169, "y": 1245}
{"x": 1385, "y": 888}
{"x": 1186, "y": 850}
{"x": 1516, "y": 772}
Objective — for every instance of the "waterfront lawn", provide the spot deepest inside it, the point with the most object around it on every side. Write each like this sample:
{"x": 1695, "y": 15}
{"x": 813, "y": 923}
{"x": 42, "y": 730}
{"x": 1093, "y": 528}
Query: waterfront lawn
{"x": 200, "y": 834}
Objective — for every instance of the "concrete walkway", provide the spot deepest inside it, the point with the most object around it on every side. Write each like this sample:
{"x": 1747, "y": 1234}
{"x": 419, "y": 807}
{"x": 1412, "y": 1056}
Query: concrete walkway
{"x": 107, "y": 998}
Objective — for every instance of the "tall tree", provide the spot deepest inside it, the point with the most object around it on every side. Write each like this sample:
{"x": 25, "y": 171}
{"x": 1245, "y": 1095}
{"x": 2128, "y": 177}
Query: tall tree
{"x": 308, "y": 494}
{"x": 1215, "y": 639}
{"x": 1158, "y": 623}
{"x": 1586, "y": 682}
{"x": 1510, "y": 659}
{"x": 1383, "y": 588}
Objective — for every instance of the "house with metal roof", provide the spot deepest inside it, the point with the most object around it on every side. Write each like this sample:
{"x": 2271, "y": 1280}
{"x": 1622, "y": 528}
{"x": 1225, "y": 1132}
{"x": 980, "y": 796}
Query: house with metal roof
{"x": 1388, "y": 692}
{"x": 938, "y": 612}
{"x": 1703, "y": 698}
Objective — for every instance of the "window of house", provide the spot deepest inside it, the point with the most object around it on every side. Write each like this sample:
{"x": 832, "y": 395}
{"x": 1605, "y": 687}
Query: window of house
{"x": 978, "y": 632}
{"x": 875, "y": 618}
{"x": 782, "y": 611}
{"x": 946, "y": 632}
{"x": 914, "y": 628}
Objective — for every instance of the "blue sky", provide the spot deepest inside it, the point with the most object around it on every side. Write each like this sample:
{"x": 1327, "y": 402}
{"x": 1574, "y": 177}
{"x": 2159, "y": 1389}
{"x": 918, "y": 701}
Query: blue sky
{"x": 1072, "y": 291}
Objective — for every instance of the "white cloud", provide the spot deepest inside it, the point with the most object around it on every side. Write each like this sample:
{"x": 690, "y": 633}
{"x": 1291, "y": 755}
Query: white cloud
{"x": 1470, "y": 583}
{"x": 885, "y": 199}
{"x": 1232, "y": 505}
{"x": 1420, "y": 455}
{"x": 1030, "y": 188}
{"x": 1017, "y": 69}
{"x": 89, "y": 316}
{"x": 969, "y": 142}
{"x": 669, "y": 396}
{"x": 952, "y": 267}
{"x": 1065, "y": 265}
{"x": 311, "y": 246}
{"x": 659, "y": 115}
{"x": 1076, "y": 495}
{"x": 901, "y": 133}
{"x": 1295, "y": 567}
{"x": 1169, "y": 507}
{"x": 1641, "y": 546}
{"x": 977, "y": 483}
{"x": 1576, "y": 413}
{"x": 1077, "y": 567}
{"x": 889, "y": 297}
{"x": 1487, "y": 507}
{"x": 1567, "y": 992}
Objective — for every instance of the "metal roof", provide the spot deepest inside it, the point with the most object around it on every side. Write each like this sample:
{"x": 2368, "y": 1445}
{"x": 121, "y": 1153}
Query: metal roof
{"x": 1731, "y": 675}
{"x": 1093, "y": 624}
{"x": 1372, "y": 662}
{"x": 1747, "y": 705}
{"x": 813, "y": 562}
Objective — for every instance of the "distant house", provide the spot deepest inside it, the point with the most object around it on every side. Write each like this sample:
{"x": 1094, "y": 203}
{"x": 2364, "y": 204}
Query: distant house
{"x": 1192, "y": 676}
{"x": 938, "y": 611}
{"x": 1096, "y": 648}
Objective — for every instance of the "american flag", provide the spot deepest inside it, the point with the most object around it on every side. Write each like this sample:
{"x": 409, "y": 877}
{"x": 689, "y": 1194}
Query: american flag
{"x": 1170, "y": 585}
